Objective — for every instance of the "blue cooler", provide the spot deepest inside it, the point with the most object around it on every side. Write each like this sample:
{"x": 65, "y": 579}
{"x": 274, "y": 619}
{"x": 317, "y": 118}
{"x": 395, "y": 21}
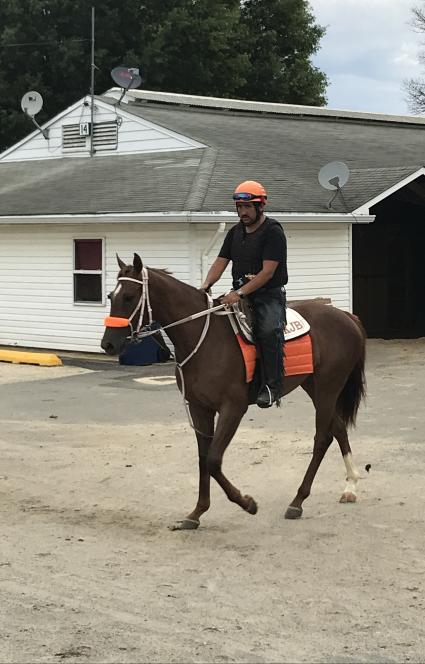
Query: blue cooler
{"x": 146, "y": 351}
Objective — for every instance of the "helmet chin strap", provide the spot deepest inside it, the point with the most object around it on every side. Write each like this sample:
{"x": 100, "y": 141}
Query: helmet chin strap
{"x": 259, "y": 214}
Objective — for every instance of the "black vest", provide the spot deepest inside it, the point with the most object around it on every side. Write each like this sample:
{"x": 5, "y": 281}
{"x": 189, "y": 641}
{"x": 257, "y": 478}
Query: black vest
{"x": 247, "y": 253}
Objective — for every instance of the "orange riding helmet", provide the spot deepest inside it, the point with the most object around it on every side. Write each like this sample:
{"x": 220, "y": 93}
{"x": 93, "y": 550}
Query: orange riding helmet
{"x": 250, "y": 191}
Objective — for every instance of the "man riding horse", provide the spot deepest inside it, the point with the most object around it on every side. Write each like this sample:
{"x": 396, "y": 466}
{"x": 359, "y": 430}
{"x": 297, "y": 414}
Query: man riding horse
{"x": 257, "y": 248}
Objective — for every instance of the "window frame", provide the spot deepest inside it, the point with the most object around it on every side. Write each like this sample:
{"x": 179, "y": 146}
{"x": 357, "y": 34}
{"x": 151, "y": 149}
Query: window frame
{"x": 102, "y": 271}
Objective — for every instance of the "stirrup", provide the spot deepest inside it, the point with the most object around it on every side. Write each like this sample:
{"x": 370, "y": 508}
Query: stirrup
{"x": 265, "y": 398}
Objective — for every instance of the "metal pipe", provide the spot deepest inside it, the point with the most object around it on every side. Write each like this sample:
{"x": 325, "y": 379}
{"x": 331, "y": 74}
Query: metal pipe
{"x": 204, "y": 260}
{"x": 92, "y": 85}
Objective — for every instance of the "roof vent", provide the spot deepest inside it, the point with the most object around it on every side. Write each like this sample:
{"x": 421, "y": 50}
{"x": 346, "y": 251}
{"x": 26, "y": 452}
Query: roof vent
{"x": 71, "y": 139}
{"x": 105, "y": 137}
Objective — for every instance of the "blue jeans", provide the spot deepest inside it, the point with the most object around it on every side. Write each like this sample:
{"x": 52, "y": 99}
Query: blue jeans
{"x": 269, "y": 318}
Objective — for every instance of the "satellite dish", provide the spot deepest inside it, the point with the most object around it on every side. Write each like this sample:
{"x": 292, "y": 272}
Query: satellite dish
{"x": 32, "y": 103}
{"x": 127, "y": 78}
{"x": 334, "y": 175}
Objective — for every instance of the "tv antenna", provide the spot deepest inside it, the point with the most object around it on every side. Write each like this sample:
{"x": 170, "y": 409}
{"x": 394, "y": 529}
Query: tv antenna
{"x": 92, "y": 71}
{"x": 126, "y": 78}
{"x": 334, "y": 176}
{"x": 31, "y": 104}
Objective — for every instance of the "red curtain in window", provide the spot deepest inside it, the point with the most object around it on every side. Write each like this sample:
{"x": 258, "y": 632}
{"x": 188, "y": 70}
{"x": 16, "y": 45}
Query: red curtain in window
{"x": 88, "y": 254}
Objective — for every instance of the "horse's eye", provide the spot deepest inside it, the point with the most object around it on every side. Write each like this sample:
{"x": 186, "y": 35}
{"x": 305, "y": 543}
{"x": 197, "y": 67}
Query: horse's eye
{"x": 109, "y": 296}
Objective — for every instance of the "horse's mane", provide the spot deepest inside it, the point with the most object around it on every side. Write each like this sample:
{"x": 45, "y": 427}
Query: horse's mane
{"x": 166, "y": 272}
{"x": 128, "y": 270}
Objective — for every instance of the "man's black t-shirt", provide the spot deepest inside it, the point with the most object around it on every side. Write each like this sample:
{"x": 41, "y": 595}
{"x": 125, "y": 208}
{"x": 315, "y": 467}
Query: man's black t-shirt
{"x": 247, "y": 251}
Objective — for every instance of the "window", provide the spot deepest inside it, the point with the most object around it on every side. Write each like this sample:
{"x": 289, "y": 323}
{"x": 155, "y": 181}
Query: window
{"x": 88, "y": 271}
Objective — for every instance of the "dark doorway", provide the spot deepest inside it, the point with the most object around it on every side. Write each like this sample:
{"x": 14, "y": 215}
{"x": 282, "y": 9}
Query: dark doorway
{"x": 389, "y": 266}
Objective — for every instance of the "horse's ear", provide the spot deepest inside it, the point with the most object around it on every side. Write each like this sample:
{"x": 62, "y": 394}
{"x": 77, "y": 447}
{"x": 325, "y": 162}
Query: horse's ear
{"x": 137, "y": 263}
{"x": 120, "y": 262}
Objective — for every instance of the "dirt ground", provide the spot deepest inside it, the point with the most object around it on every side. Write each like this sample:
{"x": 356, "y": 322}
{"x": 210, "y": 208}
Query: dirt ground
{"x": 96, "y": 463}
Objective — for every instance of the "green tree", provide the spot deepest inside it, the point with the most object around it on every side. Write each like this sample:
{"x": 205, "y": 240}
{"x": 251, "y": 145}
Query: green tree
{"x": 282, "y": 38}
{"x": 45, "y": 46}
{"x": 254, "y": 49}
{"x": 180, "y": 46}
{"x": 195, "y": 48}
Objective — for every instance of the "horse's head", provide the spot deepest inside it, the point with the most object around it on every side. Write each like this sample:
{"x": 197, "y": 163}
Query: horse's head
{"x": 128, "y": 300}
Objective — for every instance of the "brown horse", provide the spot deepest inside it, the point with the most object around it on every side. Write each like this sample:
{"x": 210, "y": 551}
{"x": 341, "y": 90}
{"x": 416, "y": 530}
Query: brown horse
{"x": 214, "y": 376}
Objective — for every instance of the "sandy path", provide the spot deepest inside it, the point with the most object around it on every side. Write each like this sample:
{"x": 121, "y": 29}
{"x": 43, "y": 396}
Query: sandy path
{"x": 90, "y": 572}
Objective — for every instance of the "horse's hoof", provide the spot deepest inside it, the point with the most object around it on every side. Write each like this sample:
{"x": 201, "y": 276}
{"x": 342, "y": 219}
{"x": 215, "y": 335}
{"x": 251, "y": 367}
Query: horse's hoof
{"x": 348, "y": 497}
{"x": 185, "y": 524}
{"x": 252, "y": 507}
{"x": 293, "y": 512}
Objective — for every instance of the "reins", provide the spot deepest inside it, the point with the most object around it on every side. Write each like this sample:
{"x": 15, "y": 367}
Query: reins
{"x": 199, "y": 314}
{"x": 143, "y": 331}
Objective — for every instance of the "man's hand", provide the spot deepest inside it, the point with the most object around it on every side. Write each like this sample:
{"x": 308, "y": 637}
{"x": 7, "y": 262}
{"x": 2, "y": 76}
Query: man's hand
{"x": 230, "y": 298}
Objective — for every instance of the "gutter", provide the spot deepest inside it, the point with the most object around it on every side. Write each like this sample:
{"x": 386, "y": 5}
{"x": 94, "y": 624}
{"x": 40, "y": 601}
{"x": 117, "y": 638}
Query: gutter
{"x": 182, "y": 217}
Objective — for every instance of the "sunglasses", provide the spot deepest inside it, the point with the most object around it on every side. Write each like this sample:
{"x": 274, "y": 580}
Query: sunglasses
{"x": 246, "y": 197}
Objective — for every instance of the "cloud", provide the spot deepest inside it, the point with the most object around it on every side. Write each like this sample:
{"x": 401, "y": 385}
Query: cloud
{"x": 369, "y": 49}
{"x": 360, "y": 93}
{"x": 406, "y": 60}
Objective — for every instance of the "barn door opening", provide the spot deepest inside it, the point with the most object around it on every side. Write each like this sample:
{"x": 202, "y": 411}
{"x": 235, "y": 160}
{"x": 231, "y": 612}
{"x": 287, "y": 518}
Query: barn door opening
{"x": 389, "y": 266}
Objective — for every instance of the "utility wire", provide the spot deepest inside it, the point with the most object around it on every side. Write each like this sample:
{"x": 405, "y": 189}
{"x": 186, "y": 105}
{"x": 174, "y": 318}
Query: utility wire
{"x": 43, "y": 43}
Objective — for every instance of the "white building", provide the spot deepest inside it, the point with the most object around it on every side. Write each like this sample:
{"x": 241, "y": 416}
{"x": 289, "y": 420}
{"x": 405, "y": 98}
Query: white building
{"x": 158, "y": 179}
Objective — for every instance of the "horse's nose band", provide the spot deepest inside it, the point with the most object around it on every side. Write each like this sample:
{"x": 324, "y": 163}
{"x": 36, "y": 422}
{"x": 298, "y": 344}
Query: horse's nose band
{"x": 115, "y": 321}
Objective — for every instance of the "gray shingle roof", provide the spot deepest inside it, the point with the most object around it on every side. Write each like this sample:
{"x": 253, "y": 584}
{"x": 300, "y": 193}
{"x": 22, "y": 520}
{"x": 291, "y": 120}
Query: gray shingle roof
{"x": 102, "y": 184}
{"x": 284, "y": 152}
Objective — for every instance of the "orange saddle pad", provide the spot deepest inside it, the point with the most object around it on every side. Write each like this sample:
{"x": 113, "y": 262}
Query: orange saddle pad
{"x": 298, "y": 356}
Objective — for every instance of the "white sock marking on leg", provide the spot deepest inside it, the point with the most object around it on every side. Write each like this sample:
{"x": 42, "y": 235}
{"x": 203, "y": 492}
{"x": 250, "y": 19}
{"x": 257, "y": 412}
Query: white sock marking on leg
{"x": 352, "y": 474}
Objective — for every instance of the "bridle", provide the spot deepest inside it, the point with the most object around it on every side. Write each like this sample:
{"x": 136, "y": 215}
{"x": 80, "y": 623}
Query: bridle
{"x": 142, "y": 331}
{"x": 144, "y": 302}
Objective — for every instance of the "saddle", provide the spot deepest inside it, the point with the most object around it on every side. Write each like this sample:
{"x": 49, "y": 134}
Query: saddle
{"x": 298, "y": 351}
{"x": 296, "y": 325}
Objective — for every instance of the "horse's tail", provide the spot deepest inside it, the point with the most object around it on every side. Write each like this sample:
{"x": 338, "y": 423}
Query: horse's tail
{"x": 354, "y": 389}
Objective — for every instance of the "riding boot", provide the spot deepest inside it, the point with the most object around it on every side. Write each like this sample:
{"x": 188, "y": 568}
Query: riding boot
{"x": 271, "y": 391}
{"x": 269, "y": 318}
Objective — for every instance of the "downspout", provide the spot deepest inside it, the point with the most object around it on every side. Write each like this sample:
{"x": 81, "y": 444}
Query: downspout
{"x": 205, "y": 254}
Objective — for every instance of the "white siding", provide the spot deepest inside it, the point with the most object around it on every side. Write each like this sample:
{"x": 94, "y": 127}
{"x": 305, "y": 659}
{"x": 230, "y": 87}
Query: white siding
{"x": 202, "y": 235}
{"x": 36, "y": 279}
{"x": 36, "y": 273}
{"x": 135, "y": 135}
{"x": 319, "y": 261}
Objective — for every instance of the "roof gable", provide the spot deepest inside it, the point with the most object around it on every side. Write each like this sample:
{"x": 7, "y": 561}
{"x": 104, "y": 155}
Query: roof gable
{"x": 134, "y": 135}
{"x": 365, "y": 208}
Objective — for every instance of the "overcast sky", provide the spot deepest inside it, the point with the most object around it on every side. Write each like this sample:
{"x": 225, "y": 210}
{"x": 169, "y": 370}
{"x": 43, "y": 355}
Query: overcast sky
{"x": 368, "y": 50}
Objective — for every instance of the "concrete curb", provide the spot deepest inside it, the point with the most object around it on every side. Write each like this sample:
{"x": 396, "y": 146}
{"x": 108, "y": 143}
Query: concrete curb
{"x": 23, "y": 357}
